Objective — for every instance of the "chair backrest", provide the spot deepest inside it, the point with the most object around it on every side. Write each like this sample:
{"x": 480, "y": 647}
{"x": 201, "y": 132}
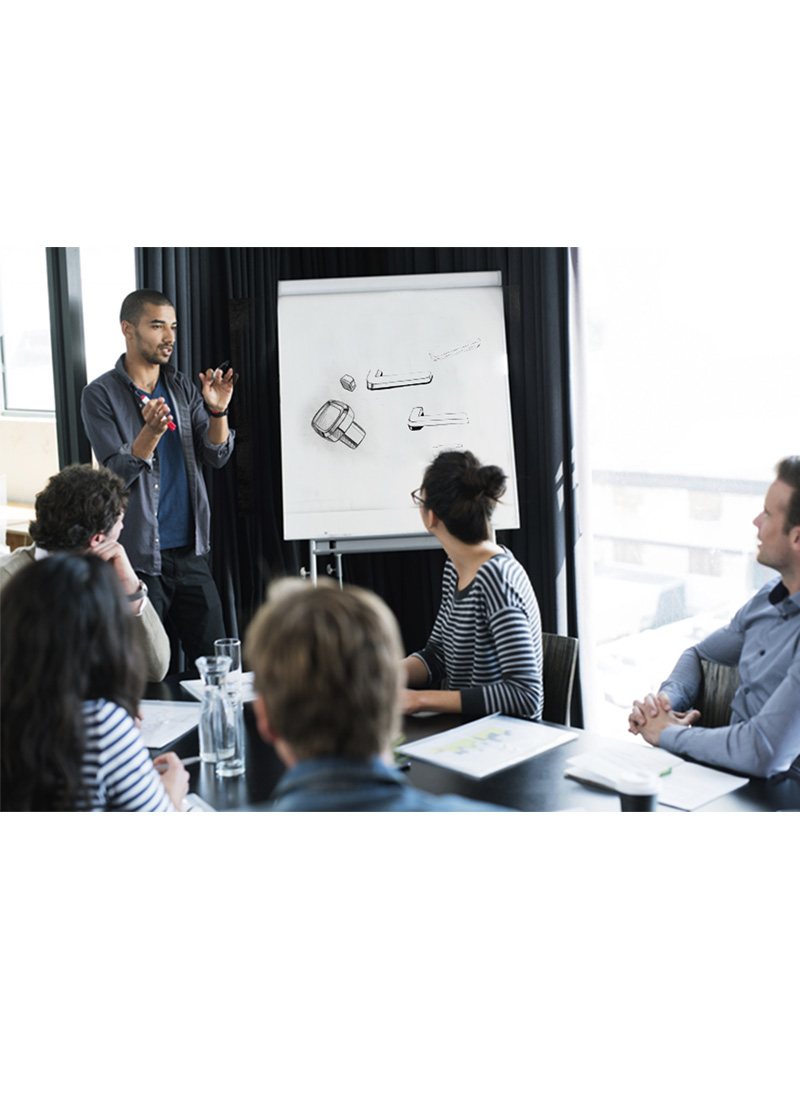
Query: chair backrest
{"x": 559, "y": 659}
{"x": 716, "y": 693}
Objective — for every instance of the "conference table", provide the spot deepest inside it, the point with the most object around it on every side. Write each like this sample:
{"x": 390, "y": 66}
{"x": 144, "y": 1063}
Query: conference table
{"x": 536, "y": 784}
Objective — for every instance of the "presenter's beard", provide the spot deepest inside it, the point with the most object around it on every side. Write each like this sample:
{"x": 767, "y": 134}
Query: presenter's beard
{"x": 157, "y": 358}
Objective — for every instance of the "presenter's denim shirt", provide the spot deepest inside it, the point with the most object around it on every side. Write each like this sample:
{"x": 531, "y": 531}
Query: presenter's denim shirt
{"x": 112, "y": 416}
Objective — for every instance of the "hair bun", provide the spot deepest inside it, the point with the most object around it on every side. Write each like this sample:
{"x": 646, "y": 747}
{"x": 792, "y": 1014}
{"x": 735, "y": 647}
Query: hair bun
{"x": 463, "y": 493}
{"x": 492, "y": 481}
{"x": 482, "y": 481}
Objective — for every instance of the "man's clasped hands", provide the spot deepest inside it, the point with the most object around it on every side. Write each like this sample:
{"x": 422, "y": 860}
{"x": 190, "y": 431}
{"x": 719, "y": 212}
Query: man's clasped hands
{"x": 654, "y": 714}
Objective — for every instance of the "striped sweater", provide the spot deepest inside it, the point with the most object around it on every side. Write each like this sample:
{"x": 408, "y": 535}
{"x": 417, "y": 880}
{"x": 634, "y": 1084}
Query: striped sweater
{"x": 487, "y": 640}
{"x": 117, "y": 769}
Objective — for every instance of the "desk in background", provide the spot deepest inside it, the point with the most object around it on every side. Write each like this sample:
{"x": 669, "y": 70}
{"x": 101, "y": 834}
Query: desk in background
{"x": 17, "y": 518}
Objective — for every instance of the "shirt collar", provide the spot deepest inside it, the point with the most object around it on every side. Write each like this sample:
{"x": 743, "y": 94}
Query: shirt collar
{"x": 330, "y": 768}
{"x": 780, "y": 593}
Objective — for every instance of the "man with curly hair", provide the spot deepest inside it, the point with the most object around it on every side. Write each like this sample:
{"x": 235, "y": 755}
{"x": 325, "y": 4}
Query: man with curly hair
{"x": 81, "y": 510}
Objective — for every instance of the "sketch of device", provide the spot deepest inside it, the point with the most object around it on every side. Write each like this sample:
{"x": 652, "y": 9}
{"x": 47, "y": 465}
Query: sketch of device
{"x": 377, "y": 380}
{"x": 418, "y": 418}
{"x": 440, "y": 353}
{"x": 335, "y": 422}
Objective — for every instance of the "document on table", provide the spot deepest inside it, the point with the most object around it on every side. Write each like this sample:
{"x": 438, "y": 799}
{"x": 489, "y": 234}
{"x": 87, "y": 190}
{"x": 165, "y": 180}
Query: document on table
{"x": 165, "y": 722}
{"x": 195, "y": 687}
{"x": 683, "y": 785}
{"x": 487, "y": 745}
{"x": 193, "y": 802}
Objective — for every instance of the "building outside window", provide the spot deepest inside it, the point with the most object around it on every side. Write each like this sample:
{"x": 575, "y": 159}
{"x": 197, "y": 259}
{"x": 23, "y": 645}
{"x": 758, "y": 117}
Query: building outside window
{"x": 691, "y": 362}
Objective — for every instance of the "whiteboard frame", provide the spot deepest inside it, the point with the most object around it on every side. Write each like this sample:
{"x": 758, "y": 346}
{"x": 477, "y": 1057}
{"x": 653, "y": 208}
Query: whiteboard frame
{"x": 401, "y": 520}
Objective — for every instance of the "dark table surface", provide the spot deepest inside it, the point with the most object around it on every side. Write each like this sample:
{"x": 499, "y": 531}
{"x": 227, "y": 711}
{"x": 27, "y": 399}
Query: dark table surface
{"x": 535, "y": 784}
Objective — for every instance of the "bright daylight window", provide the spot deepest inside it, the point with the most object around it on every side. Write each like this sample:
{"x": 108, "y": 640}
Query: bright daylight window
{"x": 107, "y": 275}
{"x": 691, "y": 367}
{"x": 25, "y": 354}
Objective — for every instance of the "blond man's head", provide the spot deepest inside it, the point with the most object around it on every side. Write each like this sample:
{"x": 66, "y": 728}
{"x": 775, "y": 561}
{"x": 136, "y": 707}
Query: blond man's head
{"x": 326, "y": 662}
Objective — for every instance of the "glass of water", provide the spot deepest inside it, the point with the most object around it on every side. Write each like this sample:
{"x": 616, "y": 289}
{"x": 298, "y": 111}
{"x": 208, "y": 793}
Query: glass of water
{"x": 230, "y": 743}
{"x": 214, "y": 705}
{"x": 231, "y": 647}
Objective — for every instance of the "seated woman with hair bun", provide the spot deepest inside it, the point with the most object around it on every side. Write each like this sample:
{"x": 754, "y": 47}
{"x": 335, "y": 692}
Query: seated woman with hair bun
{"x": 486, "y": 642}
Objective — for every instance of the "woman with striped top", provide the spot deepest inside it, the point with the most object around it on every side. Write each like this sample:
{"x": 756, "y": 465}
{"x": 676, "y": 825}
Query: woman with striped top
{"x": 486, "y": 642}
{"x": 71, "y": 676}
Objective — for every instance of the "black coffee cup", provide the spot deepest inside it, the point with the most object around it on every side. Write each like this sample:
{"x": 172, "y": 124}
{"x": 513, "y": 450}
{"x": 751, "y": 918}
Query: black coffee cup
{"x": 638, "y": 791}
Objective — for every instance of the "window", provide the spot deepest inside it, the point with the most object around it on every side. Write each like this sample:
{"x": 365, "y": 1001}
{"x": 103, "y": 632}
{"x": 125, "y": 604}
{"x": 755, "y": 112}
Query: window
{"x": 107, "y": 275}
{"x": 25, "y": 354}
{"x": 691, "y": 364}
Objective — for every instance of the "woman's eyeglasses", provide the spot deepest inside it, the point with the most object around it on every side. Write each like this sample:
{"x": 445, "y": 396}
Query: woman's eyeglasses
{"x": 415, "y": 496}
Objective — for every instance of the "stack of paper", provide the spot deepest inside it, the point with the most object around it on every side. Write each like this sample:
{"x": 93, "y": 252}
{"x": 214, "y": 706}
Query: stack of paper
{"x": 193, "y": 802}
{"x": 683, "y": 785}
{"x": 195, "y": 687}
{"x": 164, "y": 722}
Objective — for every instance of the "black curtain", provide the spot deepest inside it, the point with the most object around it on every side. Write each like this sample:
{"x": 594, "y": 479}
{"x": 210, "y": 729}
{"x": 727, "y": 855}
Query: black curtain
{"x": 69, "y": 353}
{"x": 226, "y": 305}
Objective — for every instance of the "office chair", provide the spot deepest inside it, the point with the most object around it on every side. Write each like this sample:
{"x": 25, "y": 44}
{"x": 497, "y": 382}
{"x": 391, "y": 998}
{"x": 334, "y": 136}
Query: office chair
{"x": 716, "y": 693}
{"x": 560, "y": 659}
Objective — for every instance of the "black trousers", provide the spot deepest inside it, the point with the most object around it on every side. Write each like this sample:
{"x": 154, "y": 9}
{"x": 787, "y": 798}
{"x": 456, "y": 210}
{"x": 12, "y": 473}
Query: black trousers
{"x": 185, "y": 596}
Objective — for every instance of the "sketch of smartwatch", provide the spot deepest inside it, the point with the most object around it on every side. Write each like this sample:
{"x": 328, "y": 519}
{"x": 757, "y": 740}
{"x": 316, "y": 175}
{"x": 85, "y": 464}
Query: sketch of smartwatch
{"x": 335, "y": 422}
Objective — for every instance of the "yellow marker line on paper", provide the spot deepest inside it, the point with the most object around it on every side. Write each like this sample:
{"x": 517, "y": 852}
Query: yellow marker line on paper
{"x": 473, "y": 741}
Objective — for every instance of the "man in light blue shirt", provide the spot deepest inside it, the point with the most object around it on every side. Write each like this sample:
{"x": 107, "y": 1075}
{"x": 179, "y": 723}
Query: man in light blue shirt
{"x": 763, "y": 640}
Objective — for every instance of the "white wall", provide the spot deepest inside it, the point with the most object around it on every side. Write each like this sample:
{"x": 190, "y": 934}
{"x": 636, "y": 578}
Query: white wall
{"x": 28, "y": 456}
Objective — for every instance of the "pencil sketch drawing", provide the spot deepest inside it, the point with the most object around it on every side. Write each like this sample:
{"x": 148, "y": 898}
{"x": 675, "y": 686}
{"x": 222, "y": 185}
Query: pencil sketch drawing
{"x": 418, "y": 419}
{"x": 335, "y": 422}
{"x": 365, "y": 364}
{"x": 439, "y": 353}
{"x": 377, "y": 380}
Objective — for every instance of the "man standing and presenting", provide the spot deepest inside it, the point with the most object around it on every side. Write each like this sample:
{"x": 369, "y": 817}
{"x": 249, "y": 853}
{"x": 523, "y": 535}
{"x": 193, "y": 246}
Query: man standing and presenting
{"x": 149, "y": 424}
{"x": 763, "y": 640}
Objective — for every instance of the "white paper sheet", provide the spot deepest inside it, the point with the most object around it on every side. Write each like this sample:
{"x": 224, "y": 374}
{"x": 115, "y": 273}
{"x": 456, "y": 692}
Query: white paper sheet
{"x": 683, "y": 785}
{"x": 195, "y": 687}
{"x": 194, "y": 803}
{"x": 692, "y": 785}
{"x": 165, "y": 721}
{"x": 487, "y": 745}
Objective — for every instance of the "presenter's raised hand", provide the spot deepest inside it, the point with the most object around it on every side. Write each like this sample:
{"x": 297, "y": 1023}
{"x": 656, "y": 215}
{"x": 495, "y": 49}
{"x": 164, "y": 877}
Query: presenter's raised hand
{"x": 218, "y": 388}
{"x": 157, "y": 416}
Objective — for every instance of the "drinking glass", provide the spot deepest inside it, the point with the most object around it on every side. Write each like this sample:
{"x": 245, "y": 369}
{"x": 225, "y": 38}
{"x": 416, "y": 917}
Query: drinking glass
{"x": 230, "y": 743}
{"x": 231, "y": 647}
